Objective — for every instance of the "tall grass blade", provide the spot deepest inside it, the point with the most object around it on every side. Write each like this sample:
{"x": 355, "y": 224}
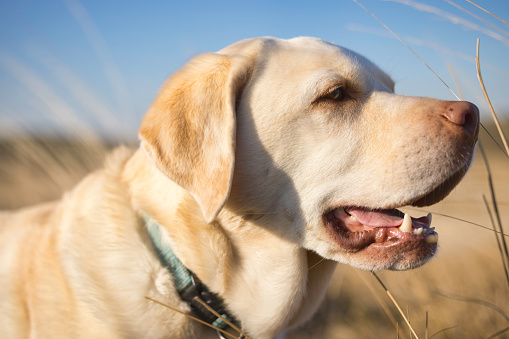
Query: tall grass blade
{"x": 427, "y": 330}
{"x": 477, "y": 17}
{"x": 192, "y": 318}
{"x": 211, "y": 310}
{"x": 442, "y": 330}
{"x": 411, "y": 50}
{"x": 504, "y": 258}
{"x": 381, "y": 302}
{"x": 503, "y": 248}
{"x": 488, "y": 12}
{"x": 418, "y": 57}
{"x": 462, "y": 220}
{"x": 494, "y": 335}
{"x": 473, "y": 300}
{"x": 495, "y": 118}
{"x": 396, "y": 304}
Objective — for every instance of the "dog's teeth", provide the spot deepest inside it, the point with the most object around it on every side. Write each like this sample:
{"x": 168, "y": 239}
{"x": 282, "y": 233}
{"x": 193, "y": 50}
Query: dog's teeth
{"x": 406, "y": 226}
{"x": 432, "y": 239}
{"x": 418, "y": 230}
{"x": 429, "y": 218}
{"x": 430, "y": 230}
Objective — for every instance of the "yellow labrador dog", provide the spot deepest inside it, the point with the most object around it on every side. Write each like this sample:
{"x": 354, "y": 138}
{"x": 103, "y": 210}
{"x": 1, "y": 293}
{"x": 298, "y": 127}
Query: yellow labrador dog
{"x": 260, "y": 168}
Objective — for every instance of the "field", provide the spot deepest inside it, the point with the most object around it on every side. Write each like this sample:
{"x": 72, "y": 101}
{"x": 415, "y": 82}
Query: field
{"x": 463, "y": 290}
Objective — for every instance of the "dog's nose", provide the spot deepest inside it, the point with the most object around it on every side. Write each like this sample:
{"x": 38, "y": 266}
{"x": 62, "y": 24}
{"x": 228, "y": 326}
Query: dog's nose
{"x": 463, "y": 113}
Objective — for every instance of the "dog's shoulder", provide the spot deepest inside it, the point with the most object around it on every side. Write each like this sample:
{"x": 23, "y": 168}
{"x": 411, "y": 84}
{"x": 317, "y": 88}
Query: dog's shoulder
{"x": 104, "y": 182}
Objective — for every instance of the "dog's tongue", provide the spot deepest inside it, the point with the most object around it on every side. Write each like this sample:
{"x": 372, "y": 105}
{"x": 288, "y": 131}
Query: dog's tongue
{"x": 377, "y": 218}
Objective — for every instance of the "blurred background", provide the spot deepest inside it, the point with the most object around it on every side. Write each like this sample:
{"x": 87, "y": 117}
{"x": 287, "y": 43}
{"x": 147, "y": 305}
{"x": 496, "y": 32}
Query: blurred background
{"x": 69, "y": 66}
{"x": 76, "y": 78}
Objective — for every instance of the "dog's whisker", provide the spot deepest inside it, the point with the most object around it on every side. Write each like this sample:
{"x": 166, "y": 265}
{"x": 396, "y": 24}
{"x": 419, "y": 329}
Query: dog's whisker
{"x": 191, "y": 317}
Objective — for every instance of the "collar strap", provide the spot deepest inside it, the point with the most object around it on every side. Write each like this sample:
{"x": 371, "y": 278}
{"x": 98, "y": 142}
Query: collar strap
{"x": 187, "y": 283}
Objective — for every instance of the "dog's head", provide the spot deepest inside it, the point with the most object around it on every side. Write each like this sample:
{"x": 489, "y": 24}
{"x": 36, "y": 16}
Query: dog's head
{"x": 308, "y": 139}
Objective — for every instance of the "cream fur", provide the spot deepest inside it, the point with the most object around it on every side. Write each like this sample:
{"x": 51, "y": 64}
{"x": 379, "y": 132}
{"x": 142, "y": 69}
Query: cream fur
{"x": 239, "y": 160}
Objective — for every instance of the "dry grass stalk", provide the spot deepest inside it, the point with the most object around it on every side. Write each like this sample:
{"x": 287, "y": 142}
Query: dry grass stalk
{"x": 490, "y": 181}
{"x": 505, "y": 259}
{"x": 474, "y": 301}
{"x": 408, "y": 317}
{"x": 397, "y": 305}
{"x": 426, "y": 331}
{"x": 193, "y": 318}
{"x": 495, "y": 118}
{"x": 462, "y": 220}
{"x": 425, "y": 64}
{"x": 381, "y": 302}
{"x": 441, "y": 331}
{"x": 411, "y": 50}
{"x": 210, "y": 309}
{"x": 455, "y": 80}
{"x": 502, "y": 245}
{"x": 488, "y": 12}
{"x": 494, "y": 335}
{"x": 477, "y": 17}
{"x": 500, "y": 241}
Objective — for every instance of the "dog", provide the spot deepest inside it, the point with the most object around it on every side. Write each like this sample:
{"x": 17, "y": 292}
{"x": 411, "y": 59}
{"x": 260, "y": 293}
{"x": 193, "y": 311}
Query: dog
{"x": 260, "y": 168}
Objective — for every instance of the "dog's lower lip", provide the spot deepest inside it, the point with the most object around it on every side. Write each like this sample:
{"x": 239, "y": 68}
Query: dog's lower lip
{"x": 376, "y": 227}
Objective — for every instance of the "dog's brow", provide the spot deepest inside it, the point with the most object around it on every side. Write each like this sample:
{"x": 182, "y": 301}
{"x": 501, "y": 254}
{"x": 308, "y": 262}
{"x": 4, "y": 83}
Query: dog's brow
{"x": 321, "y": 81}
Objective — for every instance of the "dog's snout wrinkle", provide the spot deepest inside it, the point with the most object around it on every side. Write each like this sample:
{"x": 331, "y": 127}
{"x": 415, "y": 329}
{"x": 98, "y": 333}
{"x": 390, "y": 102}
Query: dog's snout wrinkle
{"x": 464, "y": 114}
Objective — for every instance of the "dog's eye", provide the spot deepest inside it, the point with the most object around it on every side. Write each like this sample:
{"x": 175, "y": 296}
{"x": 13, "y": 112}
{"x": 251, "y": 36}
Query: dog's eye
{"x": 337, "y": 94}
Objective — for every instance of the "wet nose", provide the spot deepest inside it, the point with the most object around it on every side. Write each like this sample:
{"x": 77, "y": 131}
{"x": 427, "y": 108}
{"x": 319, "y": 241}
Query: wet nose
{"x": 463, "y": 113}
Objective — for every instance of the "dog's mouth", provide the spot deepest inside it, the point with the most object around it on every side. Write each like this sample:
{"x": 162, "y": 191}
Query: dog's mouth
{"x": 355, "y": 228}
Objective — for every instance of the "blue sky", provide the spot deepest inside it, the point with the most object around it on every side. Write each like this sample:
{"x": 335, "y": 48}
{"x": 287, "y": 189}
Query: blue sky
{"x": 95, "y": 66}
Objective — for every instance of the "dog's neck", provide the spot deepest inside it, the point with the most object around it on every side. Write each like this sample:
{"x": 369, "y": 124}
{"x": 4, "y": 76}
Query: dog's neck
{"x": 268, "y": 282}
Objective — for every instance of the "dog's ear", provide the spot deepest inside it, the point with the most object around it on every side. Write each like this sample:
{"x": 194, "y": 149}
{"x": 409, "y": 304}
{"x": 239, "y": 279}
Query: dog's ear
{"x": 189, "y": 131}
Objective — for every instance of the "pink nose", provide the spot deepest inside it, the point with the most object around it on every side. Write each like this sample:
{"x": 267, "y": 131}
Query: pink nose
{"x": 463, "y": 113}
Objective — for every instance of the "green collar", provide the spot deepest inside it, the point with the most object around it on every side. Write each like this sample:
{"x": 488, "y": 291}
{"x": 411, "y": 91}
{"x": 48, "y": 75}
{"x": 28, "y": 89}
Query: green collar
{"x": 186, "y": 283}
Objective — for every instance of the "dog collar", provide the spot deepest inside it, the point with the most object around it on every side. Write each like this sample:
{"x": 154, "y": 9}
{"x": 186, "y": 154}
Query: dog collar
{"x": 187, "y": 283}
